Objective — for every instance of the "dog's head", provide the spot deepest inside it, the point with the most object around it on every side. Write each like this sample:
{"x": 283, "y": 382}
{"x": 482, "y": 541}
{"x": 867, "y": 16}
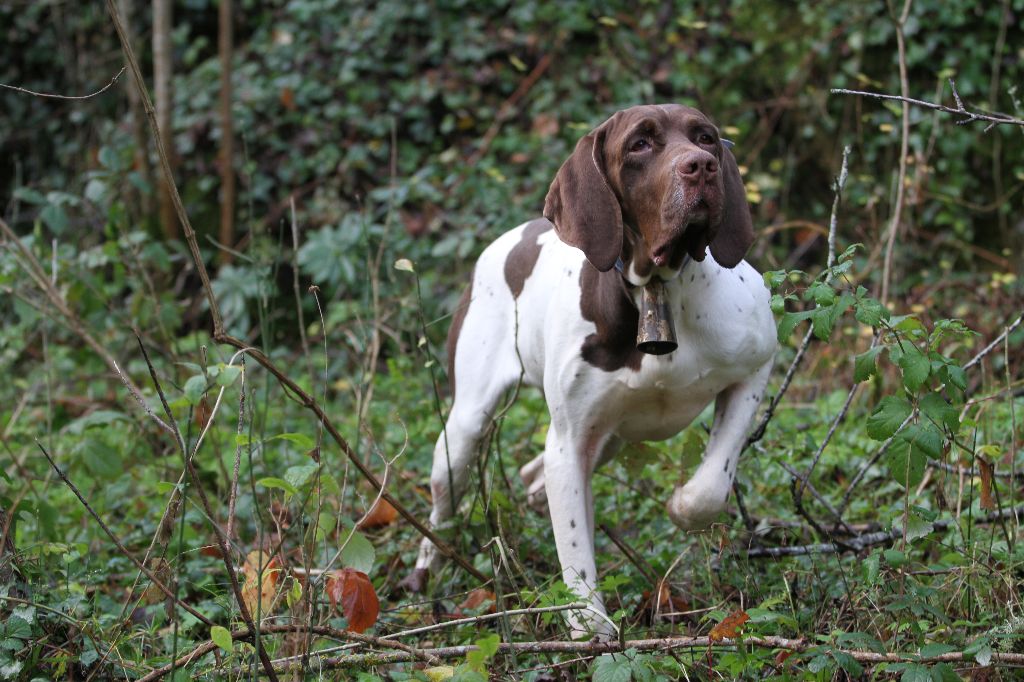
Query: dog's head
{"x": 663, "y": 173}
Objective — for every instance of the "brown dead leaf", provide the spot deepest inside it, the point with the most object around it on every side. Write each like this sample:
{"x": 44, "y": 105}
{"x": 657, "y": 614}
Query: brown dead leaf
{"x": 210, "y": 550}
{"x": 781, "y": 657}
{"x": 288, "y": 98}
{"x": 381, "y": 514}
{"x": 730, "y": 626}
{"x": 162, "y": 570}
{"x": 668, "y": 606}
{"x": 352, "y": 593}
{"x": 260, "y": 588}
{"x": 986, "y": 469}
{"x": 475, "y": 600}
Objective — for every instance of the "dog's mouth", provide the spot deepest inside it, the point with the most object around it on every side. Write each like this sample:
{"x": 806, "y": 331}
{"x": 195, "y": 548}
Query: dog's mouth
{"x": 692, "y": 236}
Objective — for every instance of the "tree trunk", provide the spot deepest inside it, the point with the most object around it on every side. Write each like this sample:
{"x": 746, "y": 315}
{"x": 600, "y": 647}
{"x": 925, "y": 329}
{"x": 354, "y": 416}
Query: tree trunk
{"x": 227, "y": 133}
{"x": 162, "y": 72}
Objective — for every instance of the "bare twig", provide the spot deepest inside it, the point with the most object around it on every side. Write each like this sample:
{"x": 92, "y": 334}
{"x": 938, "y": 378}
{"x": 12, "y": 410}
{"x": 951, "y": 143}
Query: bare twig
{"x": 117, "y": 542}
{"x": 959, "y": 110}
{"x": 897, "y": 212}
{"x": 667, "y": 644}
{"x": 994, "y": 343}
{"x": 222, "y": 539}
{"x": 66, "y": 97}
{"x": 833, "y": 224}
{"x": 866, "y": 540}
{"x": 322, "y": 630}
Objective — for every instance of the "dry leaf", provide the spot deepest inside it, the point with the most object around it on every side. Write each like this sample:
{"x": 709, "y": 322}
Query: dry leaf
{"x": 162, "y": 570}
{"x": 381, "y": 514}
{"x": 475, "y": 600}
{"x": 288, "y": 98}
{"x": 986, "y": 469}
{"x": 259, "y": 590}
{"x": 729, "y": 627}
{"x": 781, "y": 657}
{"x": 352, "y": 593}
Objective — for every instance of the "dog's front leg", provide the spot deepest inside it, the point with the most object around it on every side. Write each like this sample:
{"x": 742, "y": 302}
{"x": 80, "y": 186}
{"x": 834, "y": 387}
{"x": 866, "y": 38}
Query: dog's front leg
{"x": 567, "y": 472}
{"x": 695, "y": 505}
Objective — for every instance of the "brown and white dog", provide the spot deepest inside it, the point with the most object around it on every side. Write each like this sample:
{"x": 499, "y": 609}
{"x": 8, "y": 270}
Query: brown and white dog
{"x": 648, "y": 194}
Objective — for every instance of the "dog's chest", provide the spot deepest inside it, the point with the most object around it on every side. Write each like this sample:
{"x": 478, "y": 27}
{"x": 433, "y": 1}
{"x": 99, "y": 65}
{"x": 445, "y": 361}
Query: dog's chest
{"x": 725, "y": 332}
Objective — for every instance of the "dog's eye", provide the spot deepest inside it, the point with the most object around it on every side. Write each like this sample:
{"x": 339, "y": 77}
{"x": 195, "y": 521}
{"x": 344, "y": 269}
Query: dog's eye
{"x": 705, "y": 138}
{"x": 640, "y": 145}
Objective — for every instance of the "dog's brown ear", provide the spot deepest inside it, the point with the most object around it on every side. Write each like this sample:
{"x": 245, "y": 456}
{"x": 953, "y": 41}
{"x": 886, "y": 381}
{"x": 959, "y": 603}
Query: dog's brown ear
{"x": 736, "y": 233}
{"x": 583, "y": 207}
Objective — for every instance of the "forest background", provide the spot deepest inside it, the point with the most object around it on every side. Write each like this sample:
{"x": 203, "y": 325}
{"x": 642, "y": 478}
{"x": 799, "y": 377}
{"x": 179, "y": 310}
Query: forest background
{"x": 340, "y": 165}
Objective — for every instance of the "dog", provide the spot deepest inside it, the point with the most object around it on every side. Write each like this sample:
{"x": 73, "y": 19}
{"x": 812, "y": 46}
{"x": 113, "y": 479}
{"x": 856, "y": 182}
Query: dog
{"x": 652, "y": 195}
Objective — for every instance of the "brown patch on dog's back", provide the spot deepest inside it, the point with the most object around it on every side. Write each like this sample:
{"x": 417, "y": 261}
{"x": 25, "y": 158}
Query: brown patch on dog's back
{"x": 605, "y": 302}
{"x": 458, "y": 317}
{"x": 523, "y": 257}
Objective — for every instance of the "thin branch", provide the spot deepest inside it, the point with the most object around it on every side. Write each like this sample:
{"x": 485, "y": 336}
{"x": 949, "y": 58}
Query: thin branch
{"x": 995, "y": 343}
{"x": 117, "y": 542}
{"x": 322, "y": 630}
{"x": 833, "y": 224}
{"x": 667, "y": 644}
{"x": 866, "y": 540}
{"x": 959, "y": 110}
{"x": 222, "y": 539}
{"x": 66, "y": 97}
{"x": 897, "y": 212}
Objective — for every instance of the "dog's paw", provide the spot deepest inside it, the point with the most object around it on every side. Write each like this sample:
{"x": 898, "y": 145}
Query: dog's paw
{"x": 415, "y": 582}
{"x": 532, "y": 474}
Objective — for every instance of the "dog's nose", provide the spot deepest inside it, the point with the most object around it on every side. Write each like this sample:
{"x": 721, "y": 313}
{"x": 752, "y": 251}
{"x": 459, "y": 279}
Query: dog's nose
{"x": 697, "y": 164}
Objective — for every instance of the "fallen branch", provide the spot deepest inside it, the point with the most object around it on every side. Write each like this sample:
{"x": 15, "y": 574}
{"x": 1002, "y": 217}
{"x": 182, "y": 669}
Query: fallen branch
{"x": 705, "y": 644}
{"x": 320, "y": 630}
{"x": 862, "y": 542}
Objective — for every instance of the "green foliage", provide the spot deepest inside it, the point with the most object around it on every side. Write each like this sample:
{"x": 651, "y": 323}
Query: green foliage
{"x": 401, "y": 132}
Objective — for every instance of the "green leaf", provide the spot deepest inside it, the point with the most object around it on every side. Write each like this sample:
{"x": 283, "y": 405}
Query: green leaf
{"x": 279, "y": 483}
{"x": 944, "y": 672}
{"x": 789, "y": 321}
{"x": 848, "y": 663}
{"x": 870, "y": 311}
{"x": 860, "y": 640}
{"x": 914, "y": 672}
{"x": 358, "y": 552}
{"x": 55, "y": 217}
{"x": 935, "y": 407}
{"x": 864, "y": 364}
{"x": 887, "y": 417}
{"x": 300, "y": 474}
{"x": 925, "y": 437}
{"x": 97, "y": 418}
{"x": 194, "y": 389}
{"x": 915, "y": 365}
{"x": 612, "y": 668}
{"x": 953, "y": 375}
{"x": 936, "y": 649}
{"x": 906, "y": 464}
{"x": 228, "y": 375}
{"x": 302, "y": 440}
{"x": 221, "y": 636}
